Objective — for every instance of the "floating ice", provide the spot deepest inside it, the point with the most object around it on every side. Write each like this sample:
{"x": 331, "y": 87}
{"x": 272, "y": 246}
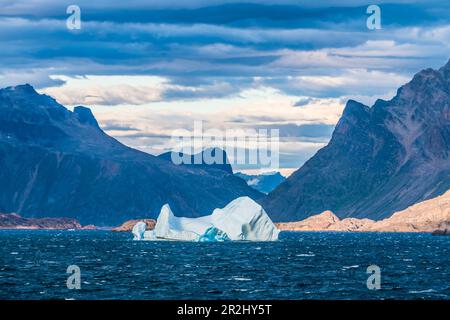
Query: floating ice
{"x": 138, "y": 230}
{"x": 242, "y": 219}
{"x": 212, "y": 234}
{"x": 150, "y": 235}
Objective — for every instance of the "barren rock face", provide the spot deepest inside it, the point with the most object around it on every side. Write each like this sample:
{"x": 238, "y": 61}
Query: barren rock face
{"x": 352, "y": 224}
{"x": 380, "y": 160}
{"x": 426, "y": 216}
{"x": 321, "y": 221}
{"x": 326, "y": 221}
{"x": 127, "y": 226}
{"x": 15, "y": 221}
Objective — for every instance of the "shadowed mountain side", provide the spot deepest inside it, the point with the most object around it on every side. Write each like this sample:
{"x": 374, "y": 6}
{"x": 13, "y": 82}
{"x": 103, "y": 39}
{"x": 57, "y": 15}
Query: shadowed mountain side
{"x": 54, "y": 162}
{"x": 380, "y": 160}
{"x": 211, "y": 158}
{"x": 264, "y": 183}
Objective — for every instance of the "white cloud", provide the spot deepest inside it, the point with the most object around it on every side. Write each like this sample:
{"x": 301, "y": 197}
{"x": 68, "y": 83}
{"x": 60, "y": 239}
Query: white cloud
{"x": 254, "y": 108}
{"x": 107, "y": 90}
{"x": 148, "y": 79}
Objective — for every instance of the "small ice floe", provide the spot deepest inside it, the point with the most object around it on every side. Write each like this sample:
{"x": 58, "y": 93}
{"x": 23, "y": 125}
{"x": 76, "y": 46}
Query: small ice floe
{"x": 350, "y": 267}
{"x": 241, "y": 290}
{"x": 305, "y": 255}
{"x": 240, "y": 279}
{"x": 422, "y": 291}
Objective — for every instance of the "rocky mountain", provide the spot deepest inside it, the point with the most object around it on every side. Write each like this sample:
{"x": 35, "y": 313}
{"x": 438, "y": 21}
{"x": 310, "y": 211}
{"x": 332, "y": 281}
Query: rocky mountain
{"x": 54, "y": 162}
{"x": 326, "y": 221}
{"x": 264, "y": 183}
{"x": 127, "y": 226}
{"x": 214, "y": 158}
{"x": 426, "y": 216}
{"x": 15, "y": 221}
{"x": 380, "y": 159}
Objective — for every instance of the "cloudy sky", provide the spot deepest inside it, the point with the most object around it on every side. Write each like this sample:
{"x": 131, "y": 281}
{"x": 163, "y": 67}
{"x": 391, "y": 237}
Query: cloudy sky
{"x": 147, "y": 68}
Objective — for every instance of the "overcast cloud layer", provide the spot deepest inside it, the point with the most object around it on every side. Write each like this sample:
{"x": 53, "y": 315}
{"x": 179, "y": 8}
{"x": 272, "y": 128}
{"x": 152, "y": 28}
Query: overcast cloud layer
{"x": 149, "y": 67}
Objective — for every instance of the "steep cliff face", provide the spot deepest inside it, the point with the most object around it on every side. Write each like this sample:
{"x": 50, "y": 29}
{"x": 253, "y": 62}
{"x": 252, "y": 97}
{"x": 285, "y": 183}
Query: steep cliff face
{"x": 380, "y": 159}
{"x": 54, "y": 162}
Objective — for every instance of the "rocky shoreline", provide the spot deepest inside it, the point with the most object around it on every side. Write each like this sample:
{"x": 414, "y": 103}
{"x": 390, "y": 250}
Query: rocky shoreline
{"x": 127, "y": 226}
{"x": 13, "y": 221}
{"x": 428, "y": 216}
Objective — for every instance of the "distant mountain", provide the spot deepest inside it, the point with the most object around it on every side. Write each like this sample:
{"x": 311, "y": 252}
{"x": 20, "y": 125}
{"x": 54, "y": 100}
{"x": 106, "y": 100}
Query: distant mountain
{"x": 202, "y": 159}
{"x": 264, "y": 183}
{"x": 380, "y": 160}
{"x": 54, "y": 162}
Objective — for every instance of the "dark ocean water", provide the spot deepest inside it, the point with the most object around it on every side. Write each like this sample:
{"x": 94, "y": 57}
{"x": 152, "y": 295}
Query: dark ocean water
{"x": 318, "y": 265}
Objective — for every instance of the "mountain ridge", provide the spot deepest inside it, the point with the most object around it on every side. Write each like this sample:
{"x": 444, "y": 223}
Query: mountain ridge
{"x": 55, "y": 162}
{"x": 379, "y": 160}
{"x": 264, "y": 183}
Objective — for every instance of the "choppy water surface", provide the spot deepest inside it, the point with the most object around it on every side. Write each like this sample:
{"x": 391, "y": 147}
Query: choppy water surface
{"x": 33, "y": 265}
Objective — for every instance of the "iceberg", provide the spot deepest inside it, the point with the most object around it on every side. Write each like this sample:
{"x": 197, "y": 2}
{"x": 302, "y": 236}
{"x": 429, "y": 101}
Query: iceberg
{"x": 244, "y": 219}
{"x": 212, "y": 234}
{"x": 140, "y": 233}
{"x": 139, "y": 230}
{"x": 241, "y": 220}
